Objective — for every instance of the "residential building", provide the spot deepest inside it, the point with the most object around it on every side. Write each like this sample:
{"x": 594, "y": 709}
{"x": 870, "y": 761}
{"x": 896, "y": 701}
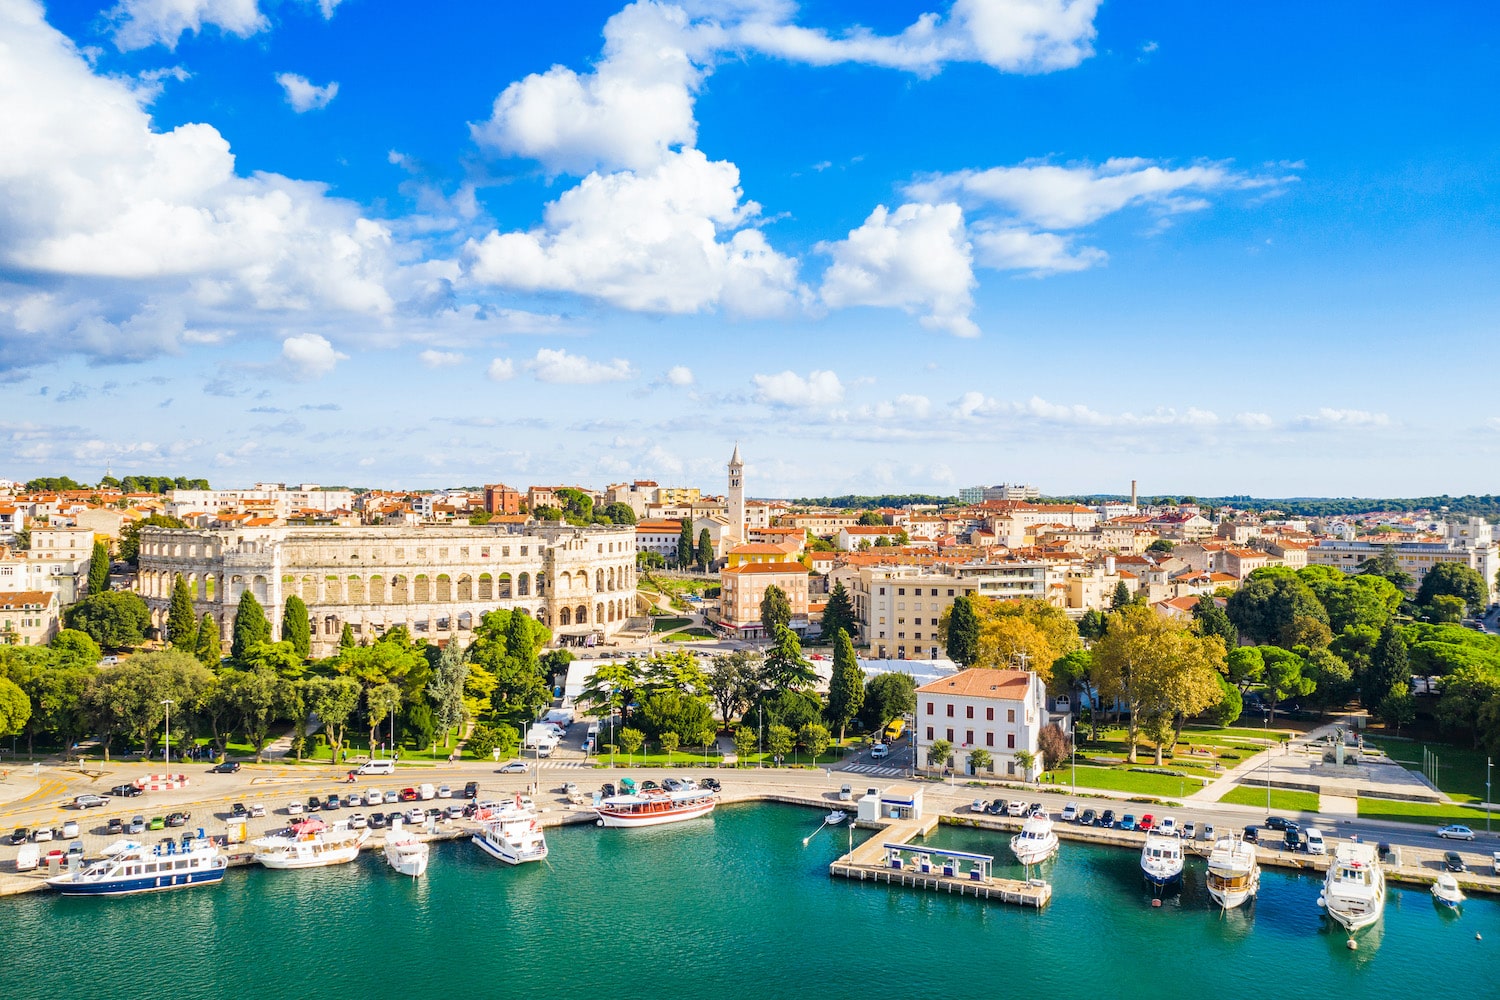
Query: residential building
{"x": 278, "y": 499}
{"x": 1000, "y": 711}
{"x": 28, "y": 617}
{"x": 855, "y": 536}
{"x": 899, "y": 607}
{"x": 1415, "y": 558}
{"x": 501, "y": 499}
{"x": 12, "y": 520}
{"x": 659, "y": 536}
{"x": 741, "y": 590}
{"x": 677, "y": 494}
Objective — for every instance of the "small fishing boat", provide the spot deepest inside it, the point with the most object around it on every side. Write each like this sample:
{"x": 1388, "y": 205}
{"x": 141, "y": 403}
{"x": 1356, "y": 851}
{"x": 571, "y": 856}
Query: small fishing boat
{"x": 655, "y": 806}
{"x": 1446, "y": 891}
{"x": 1161, "y": 859}
{"x": 310, "y": 843}
{"x": 404, "y": 852}
{"x": 1233, "y": 872}
{"x": 836, "y": 817}
{"x": 134, "y": 868}
{"x": 1037, "y": 841}
{"x": 510, "y": 832}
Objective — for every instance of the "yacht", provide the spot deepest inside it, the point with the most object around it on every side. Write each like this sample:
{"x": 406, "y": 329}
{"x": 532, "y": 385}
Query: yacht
{"x": 510, "y": 832}
{"x": 404, "y": 852}
{"x": 654, "y": 806}
{"x": 1233, "y": 872}
{"x": 1036, "y": 842}
{"x": 1354, "y": 890}
{"x": 134, "y": 868}
{"x": 1161, "y": 859}
{"x": 1446, "y": 891}
{"x": 310, "y": 843}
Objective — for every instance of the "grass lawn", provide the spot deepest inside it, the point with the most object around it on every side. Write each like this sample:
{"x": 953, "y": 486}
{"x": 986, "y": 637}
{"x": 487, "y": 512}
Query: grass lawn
{"x": 1421, "y": 812}
{"x": 662, "y": 624}
{"x": 1120, "y": 780}
{"x": 1460, "y": 770}
{"x": 694, "y": 634}
{"x": 1192, "y": 734}
{"x": 1282, "y": 799}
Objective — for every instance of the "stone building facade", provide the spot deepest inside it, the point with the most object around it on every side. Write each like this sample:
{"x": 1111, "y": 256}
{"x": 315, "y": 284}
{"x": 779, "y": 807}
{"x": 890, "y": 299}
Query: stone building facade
{"x": 436, "y": 580}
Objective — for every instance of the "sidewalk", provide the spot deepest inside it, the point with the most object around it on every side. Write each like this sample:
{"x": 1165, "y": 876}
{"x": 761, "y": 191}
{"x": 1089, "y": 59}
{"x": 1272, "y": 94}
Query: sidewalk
{"x": 1216, "y": 789}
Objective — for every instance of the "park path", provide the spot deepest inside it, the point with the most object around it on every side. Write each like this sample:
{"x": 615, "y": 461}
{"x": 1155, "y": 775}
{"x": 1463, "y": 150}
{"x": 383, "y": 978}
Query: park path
{"x": 1216, "y": 789}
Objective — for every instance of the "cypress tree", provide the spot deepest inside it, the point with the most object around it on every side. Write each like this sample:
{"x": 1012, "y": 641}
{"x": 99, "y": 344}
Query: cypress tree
{"x": 839, "y": 613}
{"x": 209, "y": 650}
{"x": 182, "y": 624}
{"x": 99, "y": 568}
{"x": 846, "y": 688}
{"x": 685, "y": 551}
{"x": 963, "y": 632}
{"x": 705, "y": 549}
{"x": 1122, "y": 596}
{"x": 295, "y": 627}
{"x": 1390, "y": 667}
{"x": 250, "y": 626}
{"x": 346, "y": 637}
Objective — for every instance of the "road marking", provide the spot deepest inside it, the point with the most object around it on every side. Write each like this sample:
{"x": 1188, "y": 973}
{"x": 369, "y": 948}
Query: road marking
{"x": 883, "y": 772}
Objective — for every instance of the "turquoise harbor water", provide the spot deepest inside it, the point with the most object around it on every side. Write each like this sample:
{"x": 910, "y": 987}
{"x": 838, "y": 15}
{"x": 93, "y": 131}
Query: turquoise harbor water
{"x": 733, "y": 906}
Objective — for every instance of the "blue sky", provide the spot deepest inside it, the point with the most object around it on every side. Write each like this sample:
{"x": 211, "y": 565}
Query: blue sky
{"x": 905, "y": 246}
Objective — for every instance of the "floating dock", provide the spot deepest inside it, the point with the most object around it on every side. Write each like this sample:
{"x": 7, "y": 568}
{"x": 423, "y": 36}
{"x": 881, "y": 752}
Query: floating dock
{"x": 891, "y": 858}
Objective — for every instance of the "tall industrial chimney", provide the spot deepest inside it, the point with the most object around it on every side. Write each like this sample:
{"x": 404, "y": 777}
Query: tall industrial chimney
{"x": 1132, "y": 493}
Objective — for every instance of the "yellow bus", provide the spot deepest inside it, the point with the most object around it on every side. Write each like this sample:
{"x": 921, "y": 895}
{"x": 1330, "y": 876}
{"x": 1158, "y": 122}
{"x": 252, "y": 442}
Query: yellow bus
{"x": 894, "y": 730}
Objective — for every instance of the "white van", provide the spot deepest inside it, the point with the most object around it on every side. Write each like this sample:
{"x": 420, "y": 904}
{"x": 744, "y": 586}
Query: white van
{"x": 377, "y": 767}
{"x": 1315, "y": 843}
{"x": 426, "y": 792}
{"x": 28, "y": 857}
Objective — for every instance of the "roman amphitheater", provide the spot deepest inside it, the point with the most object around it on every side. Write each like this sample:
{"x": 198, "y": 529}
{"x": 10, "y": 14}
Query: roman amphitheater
{"x": 436, "y": 580}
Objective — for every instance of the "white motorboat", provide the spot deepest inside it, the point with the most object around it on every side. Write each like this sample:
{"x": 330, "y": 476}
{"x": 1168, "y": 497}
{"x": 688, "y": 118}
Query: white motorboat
{"x": 404, "y": 852}
{"x": 655, "y": 806}
{"x": 1446, "y": 891}
{"x": 1161, "y": 859}
{"x": 1037, "y": 841}
{"x": 134, "y": 868}
{"x": 510, "y": 832}
{"x": 310, "y": 843}
{"x": 1354, "y": 889}
{"x": 836, "y": 817}
{"x": 1233, "y": 872}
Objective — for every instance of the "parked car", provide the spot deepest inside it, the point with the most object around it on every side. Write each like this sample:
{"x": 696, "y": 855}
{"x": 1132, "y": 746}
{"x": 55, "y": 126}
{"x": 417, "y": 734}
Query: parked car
{"x": 75, "y": 851}
{"x": 332, "y": 802}
{"x": 70, "y": 829}
{"x": 314, "y": 803}
{"x": 115, "y": 825}
{"x": 1252, "y": 834}
{"x": 977, "y": 806}
{"x": 444, "y": 792}
{"x": 1279, "y": 823}
{"x": 1070, "y": 813}
{"x": 513, "y": 767}
{"x": 1207, "y": 833}
{"x": 646, "y": 786}
{"x": 1455, "y": 831}
{"x": 57, "y": 854}
{"x": 178, "y": 818}
{"x": 227, "y": 767}
{"x": 455, "y": 811}
{"x": 20, "y": 836}
{"x": 89, "y": 801}
{"x": 294, "y": 808}
{"x": 670, "y": 784}
{"x": 1146, "y": 823}
{"x": 997, "y": 808}
{"x": 371, "y": 797}
{"x": 358, "y": 822}
{"x": 239, "y": 811}
{"x": 1107, "y": 819}
{"x": 125, "y": 791}
{"x": 392, "y": 796}
{"x": 1015, "y": 807}
{"x": 416, "y": 815}
{"x": 846, "y": 793}
{"x": 257, "y": 809}
{"x": 607, "y": 789}
{"x": 1127, "y": 822}
{"x": 377, "y": 821}
{"x": 41, "y": 835}
{"x": 1088, "y": 817}
{"x": 409, "y": 795}
{"x": 1035, "y": 808}
{"x": 157, "y": 823}
{"x": 1167, "y": 827}
{"x": 1495, "y": 862}
{"x": 1190, "y": 830}
{"x": 1454, "y": 862}
{"x": 471, "y": 790}
{"x": 137, "y": 825}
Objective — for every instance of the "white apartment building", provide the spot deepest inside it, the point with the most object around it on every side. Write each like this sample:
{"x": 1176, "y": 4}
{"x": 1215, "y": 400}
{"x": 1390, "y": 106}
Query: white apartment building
{"x": 277, "y": 499}
{"x": 1476, "y": 551}
{"x": 28, "y": 617}
{"x": 899, "y": 607}
{"x": 660, "y": 536}
{"x": 1001, "y": 711}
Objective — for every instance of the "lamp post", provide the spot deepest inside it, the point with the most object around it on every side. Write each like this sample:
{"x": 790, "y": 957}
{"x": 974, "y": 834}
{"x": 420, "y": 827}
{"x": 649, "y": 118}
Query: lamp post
{"x": 167, "y": 741}
{"x": 1489, "y": 765}
{"x": 760, "y": 736}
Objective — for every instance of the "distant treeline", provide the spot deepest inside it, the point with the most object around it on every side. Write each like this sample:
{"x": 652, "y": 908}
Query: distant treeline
{"x": 864, "y": 503}
{"x": 1487, "y": 505}
{"x": 130, "y": 484}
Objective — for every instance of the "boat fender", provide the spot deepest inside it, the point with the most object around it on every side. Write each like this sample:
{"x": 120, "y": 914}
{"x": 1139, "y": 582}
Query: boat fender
{"x": 1322, "y": 902}
{"x": 1156, "y": 904}
{"x": 598, "y": 822}
{"x": 1353, "y": 945}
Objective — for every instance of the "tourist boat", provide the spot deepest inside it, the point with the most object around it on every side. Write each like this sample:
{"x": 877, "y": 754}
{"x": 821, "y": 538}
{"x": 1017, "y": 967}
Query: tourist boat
{"x": 1233, "y": 872}
{"x": 1354, "y": 890}
{"x": 404, "y": 852}
{"x": 655, "y": 806}
{"x": 510, "y": 832}
{"x": 1446, "y": 891}
{"x": 1161, "y": 859}
{"x": 131, "y": 869}
{"x": 1036, "y": 842}
{"x": 311, "y": 843}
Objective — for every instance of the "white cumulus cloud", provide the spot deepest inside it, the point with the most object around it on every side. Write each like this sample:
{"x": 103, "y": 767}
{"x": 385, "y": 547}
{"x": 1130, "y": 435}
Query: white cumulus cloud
{"x": 309, "y": 356}
{"x": 679, "y": 375}
{"x": 501, "y": 370}
{"x": 440, "y": 359}
{"x": 139, "y": 23}
{"x": 304, "y": 95}
{"x": 560, "y": 367}
{"x": 916, "y": 258}
{"x": 819, "y": 388}
{"x": 1013, "y": 249}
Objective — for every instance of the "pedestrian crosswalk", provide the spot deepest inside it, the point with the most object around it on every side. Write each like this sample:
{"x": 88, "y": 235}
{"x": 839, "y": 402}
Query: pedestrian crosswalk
{"x": 564, "y": 765}
{"x": 875, "y": 769}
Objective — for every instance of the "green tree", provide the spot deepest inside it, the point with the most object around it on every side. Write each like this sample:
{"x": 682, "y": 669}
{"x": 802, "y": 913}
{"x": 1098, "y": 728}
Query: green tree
{"x": 182, "y": 623}
{"x": 1267, "y": 608}
{"x": 115, "y": 619}
{"x": 1387, "y": 567}
{"x": 846, "y": 688}
{"x": 1229, "y": 706}
{"x": 1073, "y": 674}
{"x": 208, "y": 647}
{"x": 981, "y": 759}
{"x": 1455, "y": 580}
{"x": 744, "y": 742}
{"x": 888, "y": 696}
{"x": 1212, "y": 620}
{"x": 1283, "y": 677}
{"x": 99, "y": 567}
{"x": 963, "y": 632}
{"x": 685, "y": 550}
{"x": 705, "y": 550}
{"x": 480, "y": 517}
{"x": 418, "y": 725}
{"x": 872, "y": 519}
{"x": 1091, "y": 625}
{"x": 1027, "y": 760}
{"x": 779, "y": 741}
{"x": 1390, "y": 666}
{"x": 295, "y": 626}
{"x": 670, "y": 741}
{"x": 250, "y": 626}
{"x": 784, "y": 667}
{"x": 1447, "y": 609}
{"x": 486, "y": 739}
{"x": 611, "y": 686}
{"x": 333, "y": 700}
{"x": 446, "y": 689}
{"x": 731, "y": 679}
{"x": 504, "y": 647}
{"x": 1398, "y": 708}
{"x": 631, "y": 740}
{"x": 381, "y": 702}
{"x": 815, "y": 739}
{"x": 775, "y": 610}
{"x": 75, "y": 649}
{"x": 839, "y": 613}
{"x": 619, "y": 513}
{"x": 1246, "y": 665}
{"x": 939, "y": 754}
{"x": 346, "y": 637}
{"x": 260, "y": 695}
{"x": 1121, "y": 598}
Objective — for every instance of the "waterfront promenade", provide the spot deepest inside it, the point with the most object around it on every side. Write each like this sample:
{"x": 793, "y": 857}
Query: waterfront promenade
{"x": 39, "y": 796}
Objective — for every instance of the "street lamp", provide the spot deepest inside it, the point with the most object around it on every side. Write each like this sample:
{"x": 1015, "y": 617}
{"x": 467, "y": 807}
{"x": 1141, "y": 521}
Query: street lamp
{"x": 1489, "y": 765}
{"x": 167, "y": 742}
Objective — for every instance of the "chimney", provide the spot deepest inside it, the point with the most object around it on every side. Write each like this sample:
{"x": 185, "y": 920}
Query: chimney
{"x": 1132, "y": 493}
